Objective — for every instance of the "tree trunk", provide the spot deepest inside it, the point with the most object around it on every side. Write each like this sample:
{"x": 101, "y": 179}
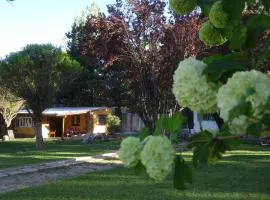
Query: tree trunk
{"x": 218, "y": 120}
{"x": 38, "y": 132}
{"x": 3, "y": 127}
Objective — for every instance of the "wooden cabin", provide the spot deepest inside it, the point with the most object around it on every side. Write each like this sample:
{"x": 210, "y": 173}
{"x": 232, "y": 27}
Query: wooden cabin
{"x": 63, "y": 122}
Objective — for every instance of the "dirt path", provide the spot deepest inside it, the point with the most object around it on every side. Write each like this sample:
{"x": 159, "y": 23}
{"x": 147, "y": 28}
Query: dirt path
{"x": 15, "y": 181}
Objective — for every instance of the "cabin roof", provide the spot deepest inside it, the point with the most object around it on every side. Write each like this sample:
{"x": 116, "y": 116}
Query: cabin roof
{"x": 62, "y": 111}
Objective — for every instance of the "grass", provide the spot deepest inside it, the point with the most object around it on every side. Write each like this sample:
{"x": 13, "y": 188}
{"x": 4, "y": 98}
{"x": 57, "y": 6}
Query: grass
{"x": 242, "y": 174}
{"x": 23, "y": 151}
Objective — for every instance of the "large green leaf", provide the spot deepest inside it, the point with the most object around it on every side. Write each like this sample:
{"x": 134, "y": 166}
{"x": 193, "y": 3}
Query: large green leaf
{"x": 200, "y": 138}
{"x": 237, "y": 37}
{"x": 266, "y": 50}
{"x": 182, "y": 174}
{"x": 206, "y": 5}
{"x": 173, "y": 125}
{"x": 255, "y": 26}
{"x": 139, "y": 168}
{"x": 234, "y": 9}
{"x": 144, "y": 132}
{"x": 222, "y": 67}
{"x": 201, "y": 154}
{"x": 243, "y": 108}
{"x": 217, "y": 148}
{"x": 159, "y": 125}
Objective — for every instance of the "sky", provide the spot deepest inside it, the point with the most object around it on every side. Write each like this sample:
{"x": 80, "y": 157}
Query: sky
{"x": 38, "y": 21}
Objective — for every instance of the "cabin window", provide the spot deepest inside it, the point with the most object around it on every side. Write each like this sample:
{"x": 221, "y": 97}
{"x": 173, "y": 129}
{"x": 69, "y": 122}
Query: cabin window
{"x": 101, "y": 119}
{"x": 208, "y": 117}
{"x": 24, "y": 122}
{"x": 76, "y": 120}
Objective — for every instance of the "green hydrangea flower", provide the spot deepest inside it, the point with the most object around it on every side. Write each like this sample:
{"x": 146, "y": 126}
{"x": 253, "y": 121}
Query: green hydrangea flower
{"x": 236, "y": 89}
{"x": 182, "y": 6}
{"x": 129, "y": 152}
{"x": 217, "y": 16}
{"x": 191, "y": 88}
{"x": 158, "y": 157}
{"x": 211, "y": 35}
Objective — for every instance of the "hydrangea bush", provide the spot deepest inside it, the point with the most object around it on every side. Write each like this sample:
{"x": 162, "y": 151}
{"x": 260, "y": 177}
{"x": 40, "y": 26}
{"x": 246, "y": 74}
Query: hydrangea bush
{"x": 191, "y": 87}
{"x": 158, "y": 157}
{"x": 129, "y": 152}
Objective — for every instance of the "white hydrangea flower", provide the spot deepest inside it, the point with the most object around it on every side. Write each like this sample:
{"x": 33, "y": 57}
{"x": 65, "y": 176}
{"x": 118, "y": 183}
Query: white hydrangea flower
{"x": 129, "y": 152}
{"x": 191, "y": 88}
{"x": 158, "y": 157}
{"x": 230, "y": 94}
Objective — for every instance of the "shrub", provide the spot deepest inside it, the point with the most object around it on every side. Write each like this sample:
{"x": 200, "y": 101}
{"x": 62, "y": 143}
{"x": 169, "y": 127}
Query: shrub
{"x": 113, "y": 123}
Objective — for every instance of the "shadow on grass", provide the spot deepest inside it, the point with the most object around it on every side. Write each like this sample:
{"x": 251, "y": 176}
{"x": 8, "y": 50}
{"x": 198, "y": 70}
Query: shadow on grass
{"x": 22, "y": 152}
{"x": 122, "y": 183}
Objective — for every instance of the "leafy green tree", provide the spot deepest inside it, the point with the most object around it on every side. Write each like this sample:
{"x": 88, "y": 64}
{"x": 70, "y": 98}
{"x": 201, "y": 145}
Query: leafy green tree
{"x": 88, "y": 88}
{"x": 36, "y": 74}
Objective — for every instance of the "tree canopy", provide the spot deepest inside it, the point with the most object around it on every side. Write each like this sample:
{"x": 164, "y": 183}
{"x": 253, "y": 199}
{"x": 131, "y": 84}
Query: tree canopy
{"x": 36, "y": 74}
{"x": 139, "y": 47}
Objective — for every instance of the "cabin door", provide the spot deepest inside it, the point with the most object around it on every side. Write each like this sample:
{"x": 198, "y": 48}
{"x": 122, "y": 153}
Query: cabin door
{"x": 56, "y": 124}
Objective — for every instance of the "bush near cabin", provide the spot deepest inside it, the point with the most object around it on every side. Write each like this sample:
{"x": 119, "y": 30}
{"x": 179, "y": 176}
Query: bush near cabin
{"x": 113, "y": 122}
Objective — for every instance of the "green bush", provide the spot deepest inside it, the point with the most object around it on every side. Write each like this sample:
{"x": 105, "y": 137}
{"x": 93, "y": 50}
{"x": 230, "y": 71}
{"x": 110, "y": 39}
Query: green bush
{"x": 113, "y": 123}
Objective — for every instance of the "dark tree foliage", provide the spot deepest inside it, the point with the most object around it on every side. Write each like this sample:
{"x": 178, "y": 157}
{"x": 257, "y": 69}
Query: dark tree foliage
{"x": 137, "y": 40}
{"x": 96, "y": 86}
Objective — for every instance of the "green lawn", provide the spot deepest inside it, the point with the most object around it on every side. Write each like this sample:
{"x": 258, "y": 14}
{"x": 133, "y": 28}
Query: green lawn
{"x": 242, "y": 174}
{"x": 23, "y": 151}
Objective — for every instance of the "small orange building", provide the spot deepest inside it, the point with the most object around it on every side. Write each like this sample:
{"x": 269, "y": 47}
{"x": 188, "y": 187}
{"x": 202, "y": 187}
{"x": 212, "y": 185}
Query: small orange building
{"x": 63, "y": 121}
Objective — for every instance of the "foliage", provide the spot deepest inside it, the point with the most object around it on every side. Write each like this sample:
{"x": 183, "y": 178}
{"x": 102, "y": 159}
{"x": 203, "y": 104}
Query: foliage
{"x": 169, "y": 126}
{"x": 36, "y": 74}
{"x": 139, "y": 42}
{"x": 113, "y": 123}
{"x": 144, "y": 133}
{"x": 130, "y": 150}
{"x": 90, "y": 86}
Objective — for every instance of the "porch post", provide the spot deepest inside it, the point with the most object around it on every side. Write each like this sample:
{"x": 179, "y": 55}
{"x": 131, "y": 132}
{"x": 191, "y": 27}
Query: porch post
{"x": 63, "y": 127}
